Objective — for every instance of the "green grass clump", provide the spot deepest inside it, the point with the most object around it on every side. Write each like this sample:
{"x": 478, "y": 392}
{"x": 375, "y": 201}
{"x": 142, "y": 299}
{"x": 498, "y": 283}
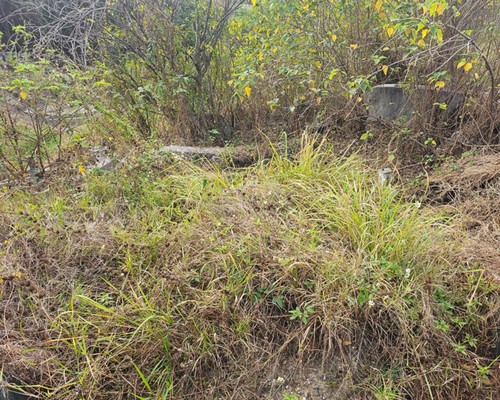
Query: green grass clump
{"x": 164, "y": 280}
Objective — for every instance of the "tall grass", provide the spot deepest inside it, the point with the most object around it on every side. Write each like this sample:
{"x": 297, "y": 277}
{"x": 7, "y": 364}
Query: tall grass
{"x": 166, "y": 280}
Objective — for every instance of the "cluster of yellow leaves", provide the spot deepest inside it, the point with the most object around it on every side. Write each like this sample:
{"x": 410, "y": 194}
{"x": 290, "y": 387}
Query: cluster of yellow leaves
{"x": 439, "y": 84}
{"x": 466, "y": 65}
{"x": 435, "y": 9}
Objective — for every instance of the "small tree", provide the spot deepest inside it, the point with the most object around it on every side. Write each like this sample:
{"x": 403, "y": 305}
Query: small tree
{"x": 161, "y": 54}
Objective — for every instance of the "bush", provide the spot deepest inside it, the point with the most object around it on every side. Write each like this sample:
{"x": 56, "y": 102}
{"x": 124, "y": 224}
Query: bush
{"x": 39, "y": 105}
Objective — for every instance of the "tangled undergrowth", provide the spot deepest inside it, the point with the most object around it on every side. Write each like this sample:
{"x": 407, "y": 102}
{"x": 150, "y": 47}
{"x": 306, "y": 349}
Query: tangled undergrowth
{"x": 162, "y": 279}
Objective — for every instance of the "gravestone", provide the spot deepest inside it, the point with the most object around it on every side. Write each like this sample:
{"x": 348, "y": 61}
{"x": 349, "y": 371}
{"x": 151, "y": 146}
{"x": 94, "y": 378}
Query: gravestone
{"x": 393, "y": 102}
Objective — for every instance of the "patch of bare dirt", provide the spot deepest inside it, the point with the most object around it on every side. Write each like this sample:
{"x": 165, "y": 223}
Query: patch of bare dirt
{"x": 293, "y": 380}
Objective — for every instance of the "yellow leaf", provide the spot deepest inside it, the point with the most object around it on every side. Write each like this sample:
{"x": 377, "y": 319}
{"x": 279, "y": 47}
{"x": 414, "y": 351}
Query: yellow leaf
{"x": 424, "y": 33}
{"x": 390, "y": 31}
{"x": 318, "y": 64}
{"x": 432, "y": 9}
{"x": 334, "y": 37}
{"x": 440, "y": 9}
{"x": 385, "y": 68}
{"x": 467, "y": 67}
{"x": 439, "y": 34}
{"x": 476, "y": 75}
{"x": 261, "y": 56}
{"x": 23, "y": 94}
{"x": 248, "y": 90}
{"x": 421, "y": 43}
{"x": 353, "y": 46}
{"x": 378, "y": 5}
{"x": 318, "y": 100}
{"x": 82, "y": 170}
{"x": 439, "y": 84}
{"x": 461, "y": 64}
{"x": 334, "y": 72}
{"x": 424, "y": 9}
{"x": 359, "y": 99}
{"x": 254, "y": 2}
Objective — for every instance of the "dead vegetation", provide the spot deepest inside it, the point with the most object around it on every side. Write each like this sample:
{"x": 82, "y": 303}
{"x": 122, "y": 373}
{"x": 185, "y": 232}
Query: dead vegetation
{"x": 471, "y": 187}
{"x": 163, "y": 279}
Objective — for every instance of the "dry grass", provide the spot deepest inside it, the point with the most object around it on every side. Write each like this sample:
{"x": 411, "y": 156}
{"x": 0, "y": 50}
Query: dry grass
{"x": 166, "y": 280}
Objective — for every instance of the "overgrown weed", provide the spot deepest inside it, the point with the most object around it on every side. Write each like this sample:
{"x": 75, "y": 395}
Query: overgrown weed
{"x": 163, "y": 279}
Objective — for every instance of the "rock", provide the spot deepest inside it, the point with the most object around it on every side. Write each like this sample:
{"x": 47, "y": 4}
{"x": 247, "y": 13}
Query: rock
{"x": 191, "y": 152}
{"x": 241, "y": 156}
{"x": 102, "y": 158}
{"x": 385, "y": 176}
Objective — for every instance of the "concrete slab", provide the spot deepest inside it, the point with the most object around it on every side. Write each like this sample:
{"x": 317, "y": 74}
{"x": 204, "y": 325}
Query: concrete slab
{"x": 393, "y": 102}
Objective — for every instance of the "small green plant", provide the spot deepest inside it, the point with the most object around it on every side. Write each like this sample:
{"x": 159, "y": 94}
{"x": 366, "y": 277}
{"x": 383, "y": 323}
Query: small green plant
{"x": 430, "y": 141}
{"x": 485, "y": 370}
{"x": 365, "y": 136}
{"x": 386, "y": 394}
{"x": 460, "y": 348}
{"x": 442, "y": 325}
{"x": 302, "y": 314}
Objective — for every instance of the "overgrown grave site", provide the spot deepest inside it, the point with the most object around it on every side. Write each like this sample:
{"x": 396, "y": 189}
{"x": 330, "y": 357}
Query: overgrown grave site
{"x": 191, "y": 202}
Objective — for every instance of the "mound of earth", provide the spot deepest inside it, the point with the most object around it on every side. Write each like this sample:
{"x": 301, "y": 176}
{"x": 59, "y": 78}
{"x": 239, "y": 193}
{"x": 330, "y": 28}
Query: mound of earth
{"x": 472, "y": 187}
